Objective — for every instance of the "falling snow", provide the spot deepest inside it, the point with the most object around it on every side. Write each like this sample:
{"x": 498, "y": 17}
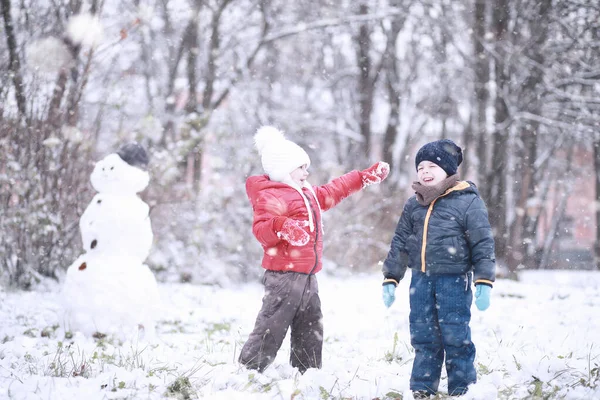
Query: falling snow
{"x": 541, "y": 347}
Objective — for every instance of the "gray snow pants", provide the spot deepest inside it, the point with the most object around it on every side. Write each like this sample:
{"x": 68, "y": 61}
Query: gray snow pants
{"x": 291, "y": 299}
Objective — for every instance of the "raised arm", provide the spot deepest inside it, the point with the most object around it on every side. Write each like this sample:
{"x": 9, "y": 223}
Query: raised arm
{"x": 334, "y": 192}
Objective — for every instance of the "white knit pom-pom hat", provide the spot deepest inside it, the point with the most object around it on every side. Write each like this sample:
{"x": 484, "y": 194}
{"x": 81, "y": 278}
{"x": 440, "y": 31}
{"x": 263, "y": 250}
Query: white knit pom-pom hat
{"x": 279, "y": 156}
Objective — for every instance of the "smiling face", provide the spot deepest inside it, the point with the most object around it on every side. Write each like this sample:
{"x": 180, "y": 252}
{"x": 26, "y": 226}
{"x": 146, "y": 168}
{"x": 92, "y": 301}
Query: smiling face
{"x": 300, "y": 174}
{"x": 430, "y": 173}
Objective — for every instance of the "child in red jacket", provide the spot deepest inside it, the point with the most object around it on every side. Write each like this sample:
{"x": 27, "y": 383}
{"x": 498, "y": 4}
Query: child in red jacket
{"x": 287, "y": 223}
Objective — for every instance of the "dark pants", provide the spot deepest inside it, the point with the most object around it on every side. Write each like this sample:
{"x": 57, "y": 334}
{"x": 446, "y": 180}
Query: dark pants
{"x": 440, "y": 312}
{"x": 291, "y": 299}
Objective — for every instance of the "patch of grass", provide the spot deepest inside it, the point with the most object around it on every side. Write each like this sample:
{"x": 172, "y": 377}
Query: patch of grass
{"x": 31, "y": 332}
{"x": 49, "y": 331}
{"x": 537, "y": 390}
{"x": 393, "y": 354}
{"x": 324, "y": 394}
{"x": 176, "y": 326}
{"x": 160, "y": 370}
{"x": 512, "y": 295}
{"x": 68, "y": 362}
{"x": 103, "y": 357}
{"x": 257, "y": 385}
{"x": 114, "y": 386}
{"x": 29, "y": 358}
{"x": 542, "y": 390}
{"x": 592, "y": 378}
{"x": 483, "y": 369}
{"x": 217, "y": 327}
{"x": 393, "y": 396}
{"x": 518, "y": 364}
{"x": 507, "y": 393}
{"x": 568, "y": 356}
{"x": 181, "y": 388}
{"x": 132, "y": 360}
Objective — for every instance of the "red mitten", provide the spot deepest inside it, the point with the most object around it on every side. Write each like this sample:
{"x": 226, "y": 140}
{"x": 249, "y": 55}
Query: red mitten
{"x": 375, "y": 173}
{"x": 292, "y": 232}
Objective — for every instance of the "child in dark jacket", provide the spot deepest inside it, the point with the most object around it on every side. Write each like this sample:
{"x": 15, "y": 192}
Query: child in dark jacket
{"x": 287, "y": 223}
{"x": 445, "y": 237}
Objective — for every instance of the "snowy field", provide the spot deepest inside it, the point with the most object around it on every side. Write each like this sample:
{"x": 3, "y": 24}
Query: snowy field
{"x": 539, "y": 339}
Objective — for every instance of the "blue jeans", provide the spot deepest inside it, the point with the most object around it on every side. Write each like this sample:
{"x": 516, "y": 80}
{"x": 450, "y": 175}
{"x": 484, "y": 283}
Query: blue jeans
{"x": 440, "y": 312}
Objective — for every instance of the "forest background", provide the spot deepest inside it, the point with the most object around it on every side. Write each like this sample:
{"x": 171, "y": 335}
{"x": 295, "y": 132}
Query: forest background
{"x": 516, "y": 83}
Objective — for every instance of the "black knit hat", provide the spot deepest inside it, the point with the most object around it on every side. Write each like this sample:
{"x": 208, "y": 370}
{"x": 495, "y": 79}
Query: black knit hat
{"x": 134, "y": 154}
{"x": 444, "y": 153}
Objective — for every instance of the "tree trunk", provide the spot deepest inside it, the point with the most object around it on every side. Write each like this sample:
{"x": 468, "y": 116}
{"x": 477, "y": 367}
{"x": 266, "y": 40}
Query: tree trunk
{"x": 192, "y": 46}
{"x": 496, "y": 190}
{"x": 564, "y": 190}
{"x": 15, "y": 62}
{"x": 392, "y": 85}
{"x": 526, "y": 169}
{"x": 365, "y": 86}
{"x": 597, "y": 197}
{"x": 517, "y": 250}
{"x": 482, "y": 77}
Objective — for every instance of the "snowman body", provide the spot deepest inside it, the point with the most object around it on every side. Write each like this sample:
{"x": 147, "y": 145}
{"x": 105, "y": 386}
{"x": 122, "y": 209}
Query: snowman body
{"x": 109, "y": 289}
{"x": 114, "y": 295}
{"x": 126, "y": 217}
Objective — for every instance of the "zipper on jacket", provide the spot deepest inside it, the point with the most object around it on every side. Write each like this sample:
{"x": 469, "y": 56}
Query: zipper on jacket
{"x": 425, "y": 229}
{"x": 317, "y": 231}
{"x": 459, "y": 186}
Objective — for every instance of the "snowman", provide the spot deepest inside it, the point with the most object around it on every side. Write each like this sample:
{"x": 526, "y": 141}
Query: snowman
{"x": 109, "y": 289}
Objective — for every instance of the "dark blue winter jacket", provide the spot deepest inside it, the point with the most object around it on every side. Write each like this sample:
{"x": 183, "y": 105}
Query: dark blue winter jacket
{"x": 450, "y": 236}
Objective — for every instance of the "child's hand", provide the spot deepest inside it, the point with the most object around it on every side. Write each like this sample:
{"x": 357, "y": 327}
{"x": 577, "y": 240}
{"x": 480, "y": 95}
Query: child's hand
{"x": 389, "y": 294}
{"x": 482, "y": 297}
{"x": 292, "y": 232}
{"x": 375, "y": 173}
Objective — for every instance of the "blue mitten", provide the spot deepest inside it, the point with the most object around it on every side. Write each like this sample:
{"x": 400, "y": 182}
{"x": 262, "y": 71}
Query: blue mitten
{"x": 389, "y": 294}
{"x": 482, "y": 297}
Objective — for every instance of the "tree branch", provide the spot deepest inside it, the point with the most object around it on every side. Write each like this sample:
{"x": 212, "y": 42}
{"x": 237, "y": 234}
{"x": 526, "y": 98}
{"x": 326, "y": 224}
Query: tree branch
{"x": 15, "y": 63}
{"x": 325, "y": 23}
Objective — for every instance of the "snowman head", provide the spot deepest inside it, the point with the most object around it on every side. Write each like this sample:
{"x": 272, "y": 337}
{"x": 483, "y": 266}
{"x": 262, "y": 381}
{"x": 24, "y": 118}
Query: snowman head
{"x": 113, "y": 174}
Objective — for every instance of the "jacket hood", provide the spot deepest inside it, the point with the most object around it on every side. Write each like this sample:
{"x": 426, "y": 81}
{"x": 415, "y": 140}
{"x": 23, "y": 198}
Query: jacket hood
{"x": 464, "y": 187}
{"x": 256, "y": 183}
{"x": 472, "y": 188}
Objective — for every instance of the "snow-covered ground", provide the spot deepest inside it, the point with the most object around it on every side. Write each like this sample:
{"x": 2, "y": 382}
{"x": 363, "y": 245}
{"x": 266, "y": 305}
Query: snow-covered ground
{"x": 539, "y": 339}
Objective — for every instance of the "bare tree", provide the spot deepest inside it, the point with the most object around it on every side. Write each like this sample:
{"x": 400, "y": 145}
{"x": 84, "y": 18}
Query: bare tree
{"x": 393, "y": 81}
{"x": 495, "y": 191}
{"x": 40, "y": 202}
{"x": 597, "y": 199}
{"x": 367, "y": 75}
{"x": 529, "y": 99}
{"x": 481, "y": 74}
{"x": 15, "y": 62}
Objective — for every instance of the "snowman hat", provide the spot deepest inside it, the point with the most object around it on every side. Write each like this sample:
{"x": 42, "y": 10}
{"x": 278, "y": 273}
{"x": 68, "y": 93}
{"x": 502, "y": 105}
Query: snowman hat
{"x": 279, "y": 156}
{"x": 134, "y": 154}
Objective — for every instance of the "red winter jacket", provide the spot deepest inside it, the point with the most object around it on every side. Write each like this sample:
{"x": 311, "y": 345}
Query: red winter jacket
{"x": 274, "y": 202}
